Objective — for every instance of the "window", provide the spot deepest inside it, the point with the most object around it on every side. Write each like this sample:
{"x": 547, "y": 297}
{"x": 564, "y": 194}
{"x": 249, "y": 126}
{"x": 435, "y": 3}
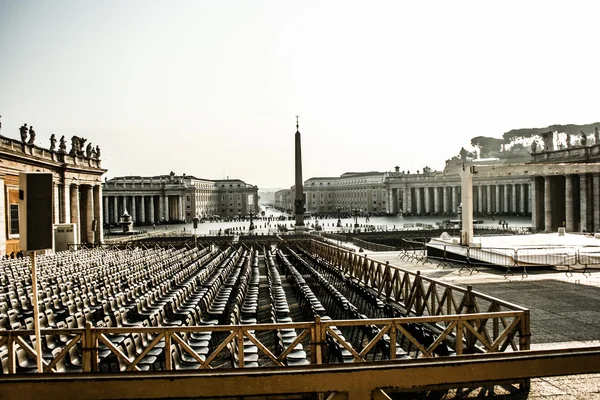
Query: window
{"x": 14, "y": 219}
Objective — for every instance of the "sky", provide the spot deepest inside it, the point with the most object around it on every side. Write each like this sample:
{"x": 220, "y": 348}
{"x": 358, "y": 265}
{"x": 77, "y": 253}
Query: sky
{"x": 212, "y": 88}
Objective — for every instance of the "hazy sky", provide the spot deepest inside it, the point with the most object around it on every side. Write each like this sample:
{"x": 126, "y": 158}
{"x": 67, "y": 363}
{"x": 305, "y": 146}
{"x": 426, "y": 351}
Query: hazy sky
{"x": 211, "y": 88}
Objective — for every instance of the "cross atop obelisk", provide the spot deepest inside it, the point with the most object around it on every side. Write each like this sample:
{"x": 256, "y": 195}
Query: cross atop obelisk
{"x": 299, "y": 196}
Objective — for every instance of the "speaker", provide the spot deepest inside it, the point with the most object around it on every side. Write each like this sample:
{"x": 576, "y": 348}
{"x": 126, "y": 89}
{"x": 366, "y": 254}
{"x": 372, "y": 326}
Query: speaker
{"x": 36, "y": 210}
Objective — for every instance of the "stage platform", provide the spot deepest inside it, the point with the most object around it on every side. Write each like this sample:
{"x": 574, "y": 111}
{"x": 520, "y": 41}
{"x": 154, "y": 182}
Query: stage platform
{"x": 542, "y": 249}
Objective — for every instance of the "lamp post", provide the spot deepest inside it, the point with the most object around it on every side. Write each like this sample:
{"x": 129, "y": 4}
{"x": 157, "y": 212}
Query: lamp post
{"x": 339, "y": 221}
{"x": 251, "y": 227}
{"x": 195, "y": 221}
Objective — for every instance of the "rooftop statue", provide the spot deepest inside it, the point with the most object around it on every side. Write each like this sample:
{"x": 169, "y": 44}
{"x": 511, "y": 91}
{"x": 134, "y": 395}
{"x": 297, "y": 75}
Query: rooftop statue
{"x": 568, "y": 140}
{"x": 23, "y": 132}
{"x": 31, "y": 136}
{"x": 52, "y": 142}
{"x": 548, "y": 143}
{"x": 533, "y": 147}
{"x": 97, "y": 152}
{"x": 88, "y": 150}
{"x": 77, "y": 146}
{"x": 62, "y": 147}
{"x": 583, "y": 139}
{"x": 596, "y": 135}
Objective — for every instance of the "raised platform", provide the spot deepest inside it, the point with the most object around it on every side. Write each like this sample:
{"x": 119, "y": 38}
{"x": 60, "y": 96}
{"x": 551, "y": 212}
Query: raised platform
{"x": 542, "y": 249}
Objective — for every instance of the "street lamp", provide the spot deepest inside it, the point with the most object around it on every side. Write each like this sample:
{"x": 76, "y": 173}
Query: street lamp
{"x": 195, "y": 221}
{"x": 251, "y": 227}
{"x": 339, "y": 221}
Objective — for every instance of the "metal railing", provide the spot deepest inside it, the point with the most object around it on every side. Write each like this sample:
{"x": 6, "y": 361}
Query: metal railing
{"x": 571, "y": 257}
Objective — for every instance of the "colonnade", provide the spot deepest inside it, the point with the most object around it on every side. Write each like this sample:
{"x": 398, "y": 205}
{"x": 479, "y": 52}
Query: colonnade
{"x": 80, "y": 204}
{"x": 506, "y": 198}
{"x": 571, "y": 201}
{"x": 143, "y": 209}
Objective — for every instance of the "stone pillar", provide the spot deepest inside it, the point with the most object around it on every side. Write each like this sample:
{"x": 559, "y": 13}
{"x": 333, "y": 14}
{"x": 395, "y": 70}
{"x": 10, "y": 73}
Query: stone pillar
{"x": 418, "y": 200}
{"x": 134, "y": 210}
{"x": 514, "y": 198}
{"x": 523, "y": 202}
{"x": 166, "y": 202}
{"x": 181, "y": 208}
{"x": 480, "y": 199}
{"x": 2, "y": 216}
{"x": 455, "y": 202}
{"x": 98, "y": 214}
{"x": 151, "y": 209}
{"x": 405, "y": 205}
{"x": 444, "y": 199}
{"x": 142, "y": 209}
{"x": 106, "y": 214}
{"x": 74, "y": 207}
{"x": 596, "y": 201}
{"x": 488, "y": 199}
{"x": 547, "y": 204}
{"x": 583, "y": 203}
{"x": 569, "y": 211}
{"x": 56, "y": 200}
{"x": 161, "y": 207}
{"x": 506, "y": 204}
{"x": 65, "y": 216}
{"x": 535, "y": 226}
{"x": 88, "y": 211}
{"x": 427, "y": 199}
{"x": 436, "y": 200}
{"x": 498, "y": 198}
{"x": 115, "y": 216}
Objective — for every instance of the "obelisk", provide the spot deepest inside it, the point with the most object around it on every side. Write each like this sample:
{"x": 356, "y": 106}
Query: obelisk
{"x": 299, "y": 197}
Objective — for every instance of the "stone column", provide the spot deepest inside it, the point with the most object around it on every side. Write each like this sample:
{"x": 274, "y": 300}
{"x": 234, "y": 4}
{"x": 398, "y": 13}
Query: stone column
{"x": 65, "y": 216}
{"x": 418, "y": 200}
{"x": 506, "y": 205}
{"x": 161, "y": 207}
{"x": 98, "y": 214}
{"x": 405, "y": 205}
{"x": 445, "y": 199}
{"x": 75, "y": 219}
{"x": 151, "y": 209}
{"x": 514, "y": 198}
{"x": 56, "y": 206}
{"x": 596, "y": 201}
{"x": 583, "y": 203}
{"x": 427, "y": 199}
{"x": 547, "y": 204}
{"x": 142, "y": 209}
{"x": 181, "y": 208}
{"x": 480, "y": 199}
{"x": 134, "y": 216}
{"x": 2, "y": 215}
{"x": 89, "y": 213}
{"x": 535, "y": 226}
{"x": 498, "y": 198}
{"x": 166, "y": 202}
{"x": 523, "y": 202}
{"x": 455, "y": 202}
{"x": 436, "y": 200}
{"x": 488, "y": 199}
{"x": 106, "y": 214}
{"x": 569, "y": 211}
{"x": 115, "y": 216}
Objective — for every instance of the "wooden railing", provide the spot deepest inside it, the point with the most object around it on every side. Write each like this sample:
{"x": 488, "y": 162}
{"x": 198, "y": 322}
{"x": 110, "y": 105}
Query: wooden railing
{"x": 464, "y": 333}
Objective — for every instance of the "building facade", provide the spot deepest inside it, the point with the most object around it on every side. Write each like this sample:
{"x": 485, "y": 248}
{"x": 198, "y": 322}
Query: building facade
{"x": 77, "y": 188}
{"x": 176, "y": 198}
{"x": 571, "y": 200}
